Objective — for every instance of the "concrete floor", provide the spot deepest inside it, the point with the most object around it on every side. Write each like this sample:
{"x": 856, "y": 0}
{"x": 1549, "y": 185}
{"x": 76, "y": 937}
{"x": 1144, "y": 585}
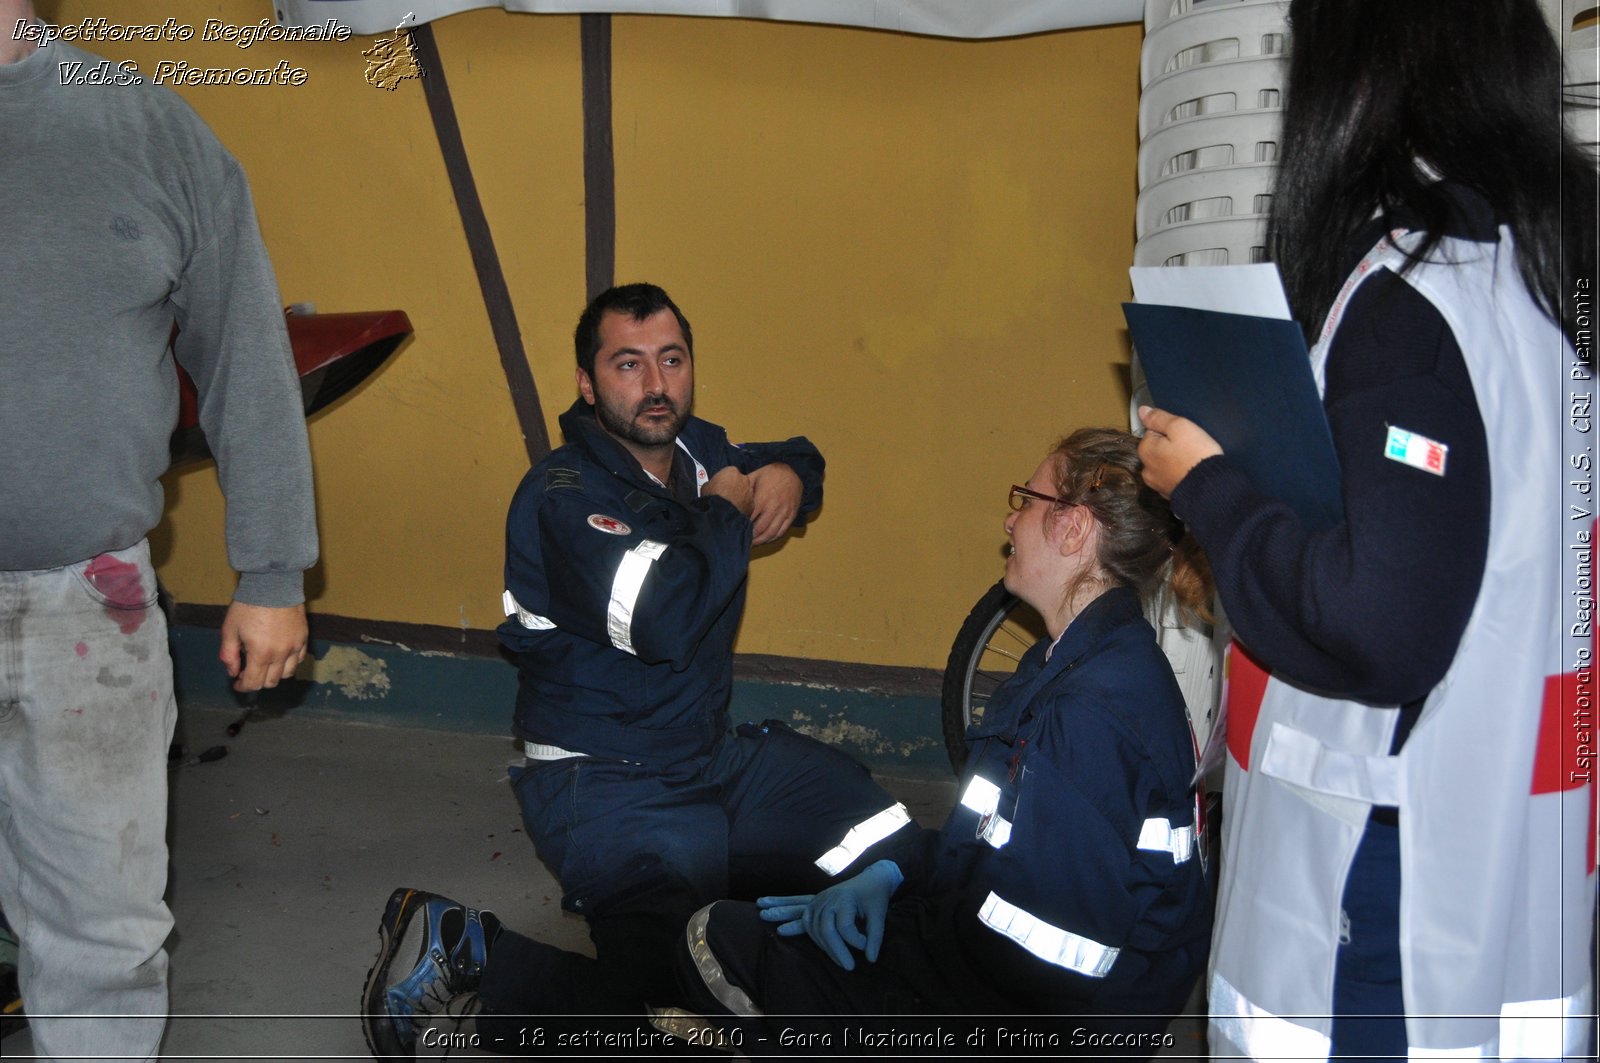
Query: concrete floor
{"x": 285, "y": 851}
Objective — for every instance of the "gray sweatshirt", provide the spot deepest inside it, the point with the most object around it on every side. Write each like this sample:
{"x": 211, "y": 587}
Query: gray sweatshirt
{"x": 120, "y": 215}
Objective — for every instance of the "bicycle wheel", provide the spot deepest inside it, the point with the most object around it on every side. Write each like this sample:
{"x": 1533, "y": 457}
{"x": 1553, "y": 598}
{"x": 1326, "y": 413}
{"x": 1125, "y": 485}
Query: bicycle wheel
{"x": 991, "y": 641}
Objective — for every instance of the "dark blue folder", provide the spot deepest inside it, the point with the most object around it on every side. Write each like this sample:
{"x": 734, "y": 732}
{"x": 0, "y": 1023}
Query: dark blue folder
{"x": 1247, "y": 381}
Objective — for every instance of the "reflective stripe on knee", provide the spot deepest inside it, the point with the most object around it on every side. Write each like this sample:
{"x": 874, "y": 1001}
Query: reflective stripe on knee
{"x": 863, "y": 836}
{"x": 706, "y": 963}
{"x": 686, "y": 1026}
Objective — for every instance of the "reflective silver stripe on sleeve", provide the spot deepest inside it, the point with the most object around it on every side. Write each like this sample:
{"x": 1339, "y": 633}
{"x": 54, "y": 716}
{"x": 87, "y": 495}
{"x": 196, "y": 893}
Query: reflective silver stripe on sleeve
{"x": 1160, "y": 836}
{"x": 709, "y": 968}
{"x": 996, "y": 830}
{"x": 863, "y": 836}
{"x": 1062, "y": 948}
{"x": 631, "y": 571}
{"x": 981, "y": 795}
{"x": 529, "y": 620}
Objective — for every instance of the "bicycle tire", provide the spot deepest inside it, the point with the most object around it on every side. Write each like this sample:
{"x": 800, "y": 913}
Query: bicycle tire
{"x": 999, "y": 627}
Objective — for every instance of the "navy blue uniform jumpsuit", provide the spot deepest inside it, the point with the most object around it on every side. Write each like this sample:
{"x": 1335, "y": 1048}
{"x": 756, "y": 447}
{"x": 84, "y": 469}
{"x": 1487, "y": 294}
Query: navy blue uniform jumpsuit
{"x": 623, "y": 597}
{"x": 1067, "y": 884}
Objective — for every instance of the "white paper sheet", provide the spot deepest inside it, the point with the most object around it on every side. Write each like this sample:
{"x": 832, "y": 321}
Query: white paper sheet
{"x": 1256, "y": 289}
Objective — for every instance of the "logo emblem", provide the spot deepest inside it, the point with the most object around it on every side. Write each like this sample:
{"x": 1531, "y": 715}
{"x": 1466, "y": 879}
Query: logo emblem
{"x": 393, "y": 59}
{"x": 610, "y": 525}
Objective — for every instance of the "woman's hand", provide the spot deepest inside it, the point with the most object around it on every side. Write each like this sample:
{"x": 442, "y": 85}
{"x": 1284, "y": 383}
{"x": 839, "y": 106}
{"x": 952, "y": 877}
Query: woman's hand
{"x": 847, "y": 915}
{"x": 1171, "y": 446}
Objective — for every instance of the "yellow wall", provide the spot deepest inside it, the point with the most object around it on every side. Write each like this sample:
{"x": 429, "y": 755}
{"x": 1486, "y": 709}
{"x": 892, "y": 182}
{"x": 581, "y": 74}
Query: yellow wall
{"x": 909, "y": 249}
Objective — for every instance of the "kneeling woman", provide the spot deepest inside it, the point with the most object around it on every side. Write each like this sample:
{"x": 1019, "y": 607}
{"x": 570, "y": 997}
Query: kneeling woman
{"x": 1068, "y": 882}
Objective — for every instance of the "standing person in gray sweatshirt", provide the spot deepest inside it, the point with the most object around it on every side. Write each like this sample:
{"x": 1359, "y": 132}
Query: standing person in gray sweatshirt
{"x": 120, "y": 216}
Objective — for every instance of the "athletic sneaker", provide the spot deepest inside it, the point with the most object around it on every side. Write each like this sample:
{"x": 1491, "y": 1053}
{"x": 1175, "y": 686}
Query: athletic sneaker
{"x": 431, "y": 950}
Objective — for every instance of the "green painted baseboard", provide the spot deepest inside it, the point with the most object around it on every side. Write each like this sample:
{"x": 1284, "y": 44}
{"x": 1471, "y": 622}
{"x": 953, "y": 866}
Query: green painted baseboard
{"x": 895, "y": 733}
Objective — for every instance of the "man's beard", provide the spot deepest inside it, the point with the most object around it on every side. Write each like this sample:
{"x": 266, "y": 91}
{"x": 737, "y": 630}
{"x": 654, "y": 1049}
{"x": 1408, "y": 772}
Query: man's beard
{"x": 623, "y": 423}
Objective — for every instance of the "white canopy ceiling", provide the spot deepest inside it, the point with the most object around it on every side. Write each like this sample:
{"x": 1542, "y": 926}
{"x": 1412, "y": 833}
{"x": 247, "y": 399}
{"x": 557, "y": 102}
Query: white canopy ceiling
{"x": 943, "y": 18}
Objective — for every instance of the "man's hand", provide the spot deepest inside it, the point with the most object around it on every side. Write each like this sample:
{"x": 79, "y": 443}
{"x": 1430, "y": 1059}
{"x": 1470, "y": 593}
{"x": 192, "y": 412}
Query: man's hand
{"x": 1171, "y": 446}
{"x": 733, "y": 485}
{"x": 777, "y": 502}
{"x": 262, "y": 645}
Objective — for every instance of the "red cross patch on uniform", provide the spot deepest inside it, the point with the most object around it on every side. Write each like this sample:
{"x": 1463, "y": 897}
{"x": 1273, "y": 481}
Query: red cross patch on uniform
{"x": 610, "y": 525}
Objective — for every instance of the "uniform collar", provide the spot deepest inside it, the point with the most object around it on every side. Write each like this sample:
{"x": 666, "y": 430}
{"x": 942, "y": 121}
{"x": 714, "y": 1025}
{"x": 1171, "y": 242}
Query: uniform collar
{"x": 1007, "y": 714}
{"x": 1115, "y": 607}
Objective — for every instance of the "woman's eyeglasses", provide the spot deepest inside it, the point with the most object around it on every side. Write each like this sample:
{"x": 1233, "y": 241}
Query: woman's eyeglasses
{"x": 1020, "y": 495}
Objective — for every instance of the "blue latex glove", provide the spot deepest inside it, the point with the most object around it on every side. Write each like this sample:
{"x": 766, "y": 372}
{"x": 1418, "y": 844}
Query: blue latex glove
{"x": 831, "y": 917}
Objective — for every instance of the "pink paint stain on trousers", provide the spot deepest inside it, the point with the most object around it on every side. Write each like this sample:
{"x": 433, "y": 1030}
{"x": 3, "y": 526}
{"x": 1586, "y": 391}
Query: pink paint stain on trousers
{"x": 122, "y": 587}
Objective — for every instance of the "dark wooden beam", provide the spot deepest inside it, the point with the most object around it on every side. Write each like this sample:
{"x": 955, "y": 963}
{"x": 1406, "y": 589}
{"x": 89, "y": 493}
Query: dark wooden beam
{"x": 599, "y": 171}
{"x": 480, "y": 241}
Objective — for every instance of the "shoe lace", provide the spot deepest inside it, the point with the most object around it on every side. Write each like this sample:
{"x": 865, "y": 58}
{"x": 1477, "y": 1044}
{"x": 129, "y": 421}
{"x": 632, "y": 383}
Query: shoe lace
{"x": 433, "y": 1003}
{"x": 469, "y": 1007}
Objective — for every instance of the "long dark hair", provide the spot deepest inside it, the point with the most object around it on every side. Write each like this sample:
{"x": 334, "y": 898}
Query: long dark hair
{"x": 1386, "y": 96}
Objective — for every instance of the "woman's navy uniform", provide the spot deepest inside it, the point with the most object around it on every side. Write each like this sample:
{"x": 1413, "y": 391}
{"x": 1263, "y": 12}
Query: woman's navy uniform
{"x": 1066, "y": 893}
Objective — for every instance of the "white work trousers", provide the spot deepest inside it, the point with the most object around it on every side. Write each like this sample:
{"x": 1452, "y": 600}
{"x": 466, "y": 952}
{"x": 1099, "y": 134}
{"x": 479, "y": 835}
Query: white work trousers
{"x": 86, "y": 718}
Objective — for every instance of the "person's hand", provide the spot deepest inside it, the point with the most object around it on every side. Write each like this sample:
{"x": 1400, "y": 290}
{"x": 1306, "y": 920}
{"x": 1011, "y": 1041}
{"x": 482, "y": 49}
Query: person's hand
{"x": 777, "y": 491}
{"x": 1171, "y": 446}
{"x": 261, "y": 644}
{"x": 846, "y": 915}
{"x": 788, "y": 912}
{"x": 733, "y": 485}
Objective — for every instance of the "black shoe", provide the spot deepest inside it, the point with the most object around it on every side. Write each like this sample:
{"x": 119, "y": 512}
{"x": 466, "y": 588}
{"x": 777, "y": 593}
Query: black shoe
{"x": 432, "y": 950}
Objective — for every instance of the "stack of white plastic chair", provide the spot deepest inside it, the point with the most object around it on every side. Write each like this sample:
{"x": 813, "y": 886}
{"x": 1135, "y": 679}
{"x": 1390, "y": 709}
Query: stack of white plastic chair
{"x": 1582, "y": 50}
{"x": 1212, "y": 74}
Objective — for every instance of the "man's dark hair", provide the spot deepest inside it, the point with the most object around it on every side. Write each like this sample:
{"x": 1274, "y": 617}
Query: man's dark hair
{"x": 1385, "y": 97}
{"x": 638, "y": 301}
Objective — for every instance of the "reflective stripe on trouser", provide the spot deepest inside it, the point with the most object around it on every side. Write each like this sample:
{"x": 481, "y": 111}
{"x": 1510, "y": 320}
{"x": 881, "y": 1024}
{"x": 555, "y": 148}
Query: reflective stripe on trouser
{"x": 1050, "y": 943}
{"x": 625, "y": 587}
{"x": 86, "y": 716}
{"x": 862, "y": 837}
{"x": 709, "y": 967}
